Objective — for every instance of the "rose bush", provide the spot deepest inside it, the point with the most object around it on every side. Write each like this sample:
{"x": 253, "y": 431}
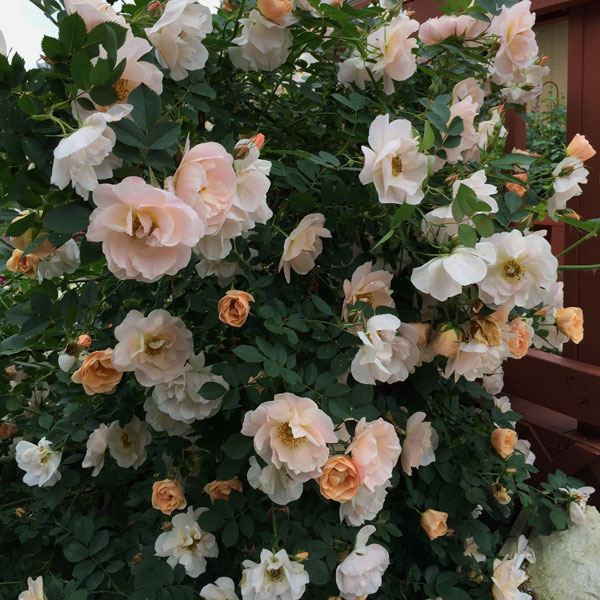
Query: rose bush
{"x": 260, "y": 284}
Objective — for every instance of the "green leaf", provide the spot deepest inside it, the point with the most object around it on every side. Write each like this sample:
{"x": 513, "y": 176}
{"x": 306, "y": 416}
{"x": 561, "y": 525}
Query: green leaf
{"x": 99, "y": 541}
{"x": 129, "y": 133}
{"x": 248, "y": 353}
{"x": 83, "y": 569}
{"x": 558, "y": 518}
{"x": 318, "y": 571}
{"x": 72, "y": 32}
{"x": 385, "y": 238}
{"x": 164, "y": 135}
{"x": 41, "y": 304}
{"x": 212, "y": 391}
{"x": 237, "y": 446}
{"x": 403, "y": 213}
{"x": 75, "y": 552}
{"x": 428, "y": 137}
{"x": 322, "y": 306}
{"x": 484, "y": 225}
{"x": 210, "y": 520}
{"x": 69, "y": 218}
{"x": 230, "y": 535}
{"x": 467, "y": 236}
{"x": 146, "y": 106}
{"x": 53, "y": 49}
{"x": 203, "y": 89}
{"x": 104, "y": 95}
{"x": 456, "y": 126}
{"x": 81, "y": 68}
{"x": 509, "y": 160}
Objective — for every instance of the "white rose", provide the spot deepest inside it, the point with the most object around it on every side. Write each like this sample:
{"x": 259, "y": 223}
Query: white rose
{"x": 96, "y": 448}
{"x": 275, "y": 483}
{"x": 222, "y": 589}
{"x": 65, "y": 259}
{"x": 178, "y": 34}
{"x": 186, "y": 544}
{"x": 127, "y": 445}
{"x": 364, "y": 506}
{"x": 361, "y": 571}
{"x": 34, "y": 591}
{"x": 568, "y": 175}
{"x": 39, "y": 462}
{"x": 86, "y": 155}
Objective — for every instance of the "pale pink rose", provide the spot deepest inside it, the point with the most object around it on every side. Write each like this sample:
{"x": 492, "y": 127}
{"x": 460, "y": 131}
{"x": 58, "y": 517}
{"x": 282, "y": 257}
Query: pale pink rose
{"x": 145, "y": 232}
{"x": 94, "y": 12}
{"x": 206, "y": 181}
{"x": 469, "y": 27}
{"x": 420, "y": 443}
{"x": 467, "y": 110}
{"x": 291, "y": 432}
{"x": 469, "y": 87}
{"x": 514, "y": 27}
{"x": 580, "y": 148}
{"x": 155, "y": 347}
{"x": 394, "y": 59}
{"x": 136, "y": 71}
{"x": 366, "y": 285}
{"x": 434, "y": 31}
{"x": 375, "y": 449}
{"x": 303, "y": 245}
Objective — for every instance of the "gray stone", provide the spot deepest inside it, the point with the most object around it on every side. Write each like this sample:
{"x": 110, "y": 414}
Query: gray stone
{"x": 567, "y": 565}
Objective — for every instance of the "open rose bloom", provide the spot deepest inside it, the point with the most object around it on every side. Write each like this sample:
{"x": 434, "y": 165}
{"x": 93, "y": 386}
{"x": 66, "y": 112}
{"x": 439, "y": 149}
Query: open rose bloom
{"x": 145, "y": 232}
{"x": 291, "y": 432}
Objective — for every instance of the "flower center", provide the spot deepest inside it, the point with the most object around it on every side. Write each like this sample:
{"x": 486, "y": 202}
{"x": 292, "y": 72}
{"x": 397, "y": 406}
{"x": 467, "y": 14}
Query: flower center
{"x": 125, "y": 440}
{"x": 154, "y": 345}
{"x": 512, "y": 269}
{"x": 396, "y": 165}
{"x": 286, "y": 435}
{"x": 365, "y": 297}
{"x": 275, "y": 575}
{"x": 123, "y": 87}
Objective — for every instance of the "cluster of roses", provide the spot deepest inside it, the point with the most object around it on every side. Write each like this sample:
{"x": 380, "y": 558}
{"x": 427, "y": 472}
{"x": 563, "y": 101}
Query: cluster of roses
{"x": 214, "y": 197}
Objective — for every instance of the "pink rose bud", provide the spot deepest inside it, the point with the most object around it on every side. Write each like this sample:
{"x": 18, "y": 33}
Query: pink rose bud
{"x": 580, "y": 148}
{"x": 84, "y": 341}
{"x": 543, "y": 61}
{"x": 154, "y": 6}
{"x": 259, "y": 140}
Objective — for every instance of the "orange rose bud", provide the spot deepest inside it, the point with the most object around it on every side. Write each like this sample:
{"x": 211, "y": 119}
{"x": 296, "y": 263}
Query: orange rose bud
{"x": 301, "y": 556}
{"x": 27, "y": 265}
{"x": 434, "y": 524}
{"x": 137, "y": 559}
{"x": 259, "y": 140}
{"x": 515, "y": 187}
{"x": 8, "y": 431}
{"x": 167, "y": 496}
{"x": 84, "y": 341}
{"x": 543, "y": 61}
{"x": 445, "y": 341}
{"x": 340, "y": 479}
{"x": 226, "y": 5}
{"x": 234, "y": 307}
{"x": 423, "y": 331}
{"x": 570, "y": 322}
{"x": 520, "y": 339}
{"x": 19, "y": 512}
{"x": 220, "y": 490}
{"x": 580, "y": 148}
{"x": 274, "y": 9}
{"x": 503, "y": 441}
{"x": 97, "y": 374}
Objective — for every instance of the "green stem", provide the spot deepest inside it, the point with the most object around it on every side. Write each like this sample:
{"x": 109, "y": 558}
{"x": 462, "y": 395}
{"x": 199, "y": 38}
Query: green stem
{"x": 578, "y": 267}
{"x": 577, "y": 243}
